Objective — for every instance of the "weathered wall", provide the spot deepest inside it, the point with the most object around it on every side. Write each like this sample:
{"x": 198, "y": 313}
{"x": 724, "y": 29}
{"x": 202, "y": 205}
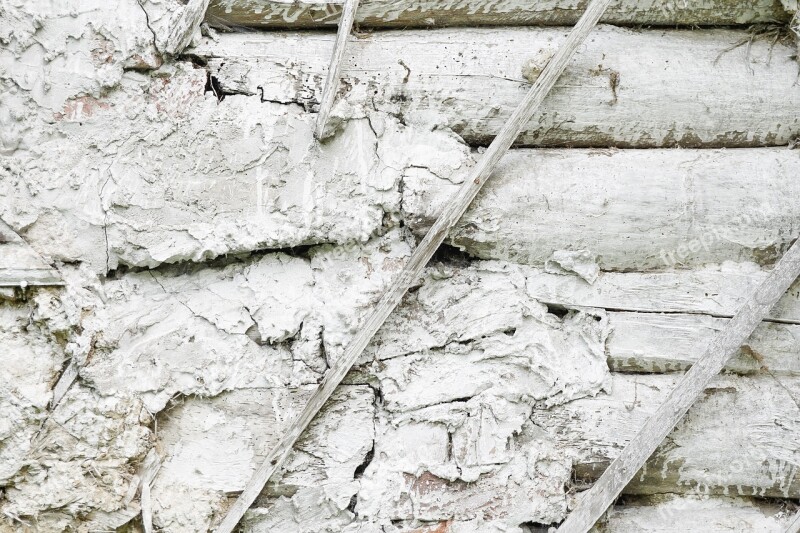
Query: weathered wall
{"x": 411, "y": 13}
{"x": 180, "y": 262}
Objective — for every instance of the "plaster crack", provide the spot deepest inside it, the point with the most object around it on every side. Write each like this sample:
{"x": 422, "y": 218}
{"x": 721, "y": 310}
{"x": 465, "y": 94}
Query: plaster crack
{"x": 149, "y": 27}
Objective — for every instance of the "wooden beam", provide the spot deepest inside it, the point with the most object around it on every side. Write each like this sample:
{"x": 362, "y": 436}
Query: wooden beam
{"x": 335, "y": 68}
{"x": 723, "y": 346}
{"x": 701, "y": 206}
{"x": 630, "y": 89}
{"x": 422, "y": 254}
{"x": 663, "y": 513}
{"x": 278, "y": 14}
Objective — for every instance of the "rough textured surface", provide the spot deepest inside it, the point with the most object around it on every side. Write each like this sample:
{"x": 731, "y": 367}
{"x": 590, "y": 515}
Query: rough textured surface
{"x": 20, "y": 265}
{"x": 696, "y": 515}
{"x": 699, "y": 206}
{"x": 213, "y": 261}
{"x": 411, "y": 13}
{"x": 627, "y": 88}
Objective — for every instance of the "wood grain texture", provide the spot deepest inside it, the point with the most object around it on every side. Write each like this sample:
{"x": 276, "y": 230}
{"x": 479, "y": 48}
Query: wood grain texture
{"x": 627, "y": 88}
{"x": 716, "y": 290}
{"x": 178, "y": 33}
{"x": 427, "y": 13}
{"x": 459, "y": 305}
{"x": 419, "y": 258}
{"x": 697, "y": 207}
{"x": 721, "y": 348}
{"x": 736, "y": 440}
{"x": 694, "y": 514}
{"x": 334, "y": 70}
{"x": 654, "y": 342}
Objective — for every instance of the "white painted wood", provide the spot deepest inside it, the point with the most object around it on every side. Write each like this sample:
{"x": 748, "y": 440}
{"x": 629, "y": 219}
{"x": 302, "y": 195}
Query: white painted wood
{"x": 422, "y": 254}
{"x": 410, "y": 13}
{"x": 738, "y": 439}
{"x": 652, "y": 342}
{"x": 668, "y": 514}
{"x": 65, "y": 381}
{"x": 633, "y": 209}
{"x": 174, "y": 24}
{"x": 458, "y": 305}
{"x": 628, "y": 88}
{"x": 602, "y": 494}
{"x": 717, "y": 290}
{"x": 334, "y": 70}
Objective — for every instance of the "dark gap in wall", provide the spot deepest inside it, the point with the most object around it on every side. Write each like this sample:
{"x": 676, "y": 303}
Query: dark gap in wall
{"x": 538, "y": 527}
{"x": 191, "y": 267}
{"x": 213, "y": 86}
{"x": 451, "y": 255}
{"x": 559, "y": 310}
{"x": 359, "y": 471}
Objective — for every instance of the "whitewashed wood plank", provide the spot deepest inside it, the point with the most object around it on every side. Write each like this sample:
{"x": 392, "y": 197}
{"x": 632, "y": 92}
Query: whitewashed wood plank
{"x": 628, "y": 88}
{"x": 717, "y": 353}
{"x": 651, "y": 342}
{"x": 716, "y": 290}
{"x": 632, "y": 209}
{"x": 419, "y": 258}
{"x": 457, "y": 306}
{"x": 737, "y": 440}
{"x": 411, "y": 13}
{"x": 697, "y": 514}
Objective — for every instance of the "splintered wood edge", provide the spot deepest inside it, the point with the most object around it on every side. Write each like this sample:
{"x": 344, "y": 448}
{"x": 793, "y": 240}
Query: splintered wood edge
{"x": 335, "y": 68}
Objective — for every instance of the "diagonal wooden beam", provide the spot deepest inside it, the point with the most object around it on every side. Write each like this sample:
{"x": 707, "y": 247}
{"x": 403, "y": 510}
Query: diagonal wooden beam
{"x": 594, "y": 503}
{"x": 335, "y": 68}
{"x": 451, "y": 213}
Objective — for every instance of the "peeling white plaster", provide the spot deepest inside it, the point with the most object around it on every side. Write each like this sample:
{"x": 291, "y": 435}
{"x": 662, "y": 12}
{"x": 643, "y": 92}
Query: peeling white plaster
{"x": 216, "y": 259}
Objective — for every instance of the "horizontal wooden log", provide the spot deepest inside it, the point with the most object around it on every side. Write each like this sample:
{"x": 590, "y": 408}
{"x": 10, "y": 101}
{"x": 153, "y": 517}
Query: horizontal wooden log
{"x": 632, "y": 209}
{"x": 414, "y": 13}
{"x": 738, "y": 440}
{"x": 627, "y": 88}
{"x": 713, "y": 290}
{"x": 697, "y": 514}
{"x": 652, "y": 342}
